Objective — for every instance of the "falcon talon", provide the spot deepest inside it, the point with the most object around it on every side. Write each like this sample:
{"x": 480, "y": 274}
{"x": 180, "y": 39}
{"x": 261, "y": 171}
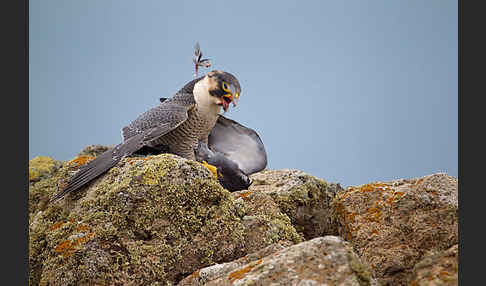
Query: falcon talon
{"x": 211, "y": 168}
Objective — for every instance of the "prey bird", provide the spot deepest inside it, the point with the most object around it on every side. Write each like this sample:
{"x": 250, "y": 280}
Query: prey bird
{"x": 234, "y": 150}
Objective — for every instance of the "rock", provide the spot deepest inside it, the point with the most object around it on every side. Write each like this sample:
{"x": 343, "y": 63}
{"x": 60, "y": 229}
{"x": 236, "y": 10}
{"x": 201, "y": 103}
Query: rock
{"x": 437, "y": 269}
{"x": 94, "y": 150}
{"x": 321, "y": 261}
{"x": 148, "y": 221}
{"x": 260, "y": 214}
{"x": 304, "y": 198}
{"x": 202, "y": 276}
{"x": 392, "y": 225}
{"x": 154, "y": 220}
{"x": 41, "y": 166}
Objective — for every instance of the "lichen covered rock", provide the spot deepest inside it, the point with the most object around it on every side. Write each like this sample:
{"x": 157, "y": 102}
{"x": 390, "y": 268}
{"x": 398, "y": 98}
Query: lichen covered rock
{"x": 94, "y": 150}
{"x": 163, "y": 220}
{"x": 303, "y": 198}
{"x": 147, "y": 221}
{"x": 42, "y": 166}
{"x": 260, "y": 214}
{"x": 393, "y": 224}
{"x": 321, "y": 261}
{"x": 437, "y": 269}
{"x": 211, "y": 273}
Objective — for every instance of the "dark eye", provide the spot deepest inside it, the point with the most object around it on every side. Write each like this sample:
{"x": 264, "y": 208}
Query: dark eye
{"x": 225, "y": 86}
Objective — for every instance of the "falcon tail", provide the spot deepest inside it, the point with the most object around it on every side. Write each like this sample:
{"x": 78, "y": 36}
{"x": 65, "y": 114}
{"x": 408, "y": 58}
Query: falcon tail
{"x": 100, "y": 165}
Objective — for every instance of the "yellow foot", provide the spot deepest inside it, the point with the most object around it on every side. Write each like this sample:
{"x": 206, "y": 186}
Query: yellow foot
{"x": 211, "y": 168}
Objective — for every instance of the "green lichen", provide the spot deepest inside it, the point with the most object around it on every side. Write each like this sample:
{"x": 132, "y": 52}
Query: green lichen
{"x": 144, "y": 219}
{"x": 306, "y": 205}
{"x": 148, "y": 220}
{"x": 360, "y": 269}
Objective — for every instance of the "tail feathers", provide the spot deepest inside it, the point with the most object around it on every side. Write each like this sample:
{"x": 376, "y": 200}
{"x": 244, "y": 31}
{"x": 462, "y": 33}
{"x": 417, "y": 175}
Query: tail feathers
{"x": 100, "y": 165}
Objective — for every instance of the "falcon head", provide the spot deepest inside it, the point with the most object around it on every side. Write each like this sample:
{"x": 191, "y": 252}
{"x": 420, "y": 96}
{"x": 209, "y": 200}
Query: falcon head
{"x": 224, "y": 87}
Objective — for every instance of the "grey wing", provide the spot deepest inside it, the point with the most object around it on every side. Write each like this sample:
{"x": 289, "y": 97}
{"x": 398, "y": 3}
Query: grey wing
{"x": 142, "y": 132}
{"x": 164, "y": 118}
{"x": 238, "y": 143}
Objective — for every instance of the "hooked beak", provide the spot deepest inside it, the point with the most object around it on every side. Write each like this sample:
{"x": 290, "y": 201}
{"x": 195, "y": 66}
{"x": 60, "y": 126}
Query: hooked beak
{"x": 232, "y": 96}
{"x": 235, "y": 94}
{"x": 225, "y": 101}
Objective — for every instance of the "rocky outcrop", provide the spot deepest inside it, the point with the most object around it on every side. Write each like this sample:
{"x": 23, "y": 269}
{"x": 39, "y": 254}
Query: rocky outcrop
{"x": 321, "y": 261}
{"x": 148, "y": 220}
{"x": 302, "y": 197}
{"x": 393, "y": 224}
{"x": 165, "y": 220}
{"x": 438, "y": 268}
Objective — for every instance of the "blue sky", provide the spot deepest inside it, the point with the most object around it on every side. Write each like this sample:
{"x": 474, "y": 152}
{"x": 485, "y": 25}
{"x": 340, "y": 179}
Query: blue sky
{"x": 348, "y": 91}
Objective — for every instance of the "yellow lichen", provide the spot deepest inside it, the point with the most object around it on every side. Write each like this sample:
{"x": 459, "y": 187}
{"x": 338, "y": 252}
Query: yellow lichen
{"x": 40, "y": 165}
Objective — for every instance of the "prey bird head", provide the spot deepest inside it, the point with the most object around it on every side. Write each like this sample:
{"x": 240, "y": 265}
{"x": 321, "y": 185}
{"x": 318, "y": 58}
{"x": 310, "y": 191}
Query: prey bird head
{"x": 225, "y": 87}
{"x": 198, "y": 60}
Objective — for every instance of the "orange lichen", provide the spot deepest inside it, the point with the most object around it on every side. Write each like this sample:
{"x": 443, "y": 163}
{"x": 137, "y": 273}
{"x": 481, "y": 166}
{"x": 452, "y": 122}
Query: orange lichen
{"x": 351, "y": 216}
{"x": 194, "y": 275}
{"x": 81, "y": 160}
{"x": 444, "y": 275}
{"x": 82, "y": 228}
{"x": 373, "y": 187}
{"x": 238, "y": 274}
{"x": 374, "y": 214}
{"x": 56, "y": 225}
{"x": 65, "y": 248}
{"x": 394, "y": 196}
{"x": 83, "y": 239}
{"x": 243, "y": 195}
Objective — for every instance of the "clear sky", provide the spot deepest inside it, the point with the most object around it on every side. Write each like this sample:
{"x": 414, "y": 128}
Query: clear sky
{"x": 348, "y": 91}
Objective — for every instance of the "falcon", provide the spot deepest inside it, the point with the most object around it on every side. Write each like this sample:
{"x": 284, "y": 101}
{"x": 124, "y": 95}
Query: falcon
{"x": 177, "y": 125}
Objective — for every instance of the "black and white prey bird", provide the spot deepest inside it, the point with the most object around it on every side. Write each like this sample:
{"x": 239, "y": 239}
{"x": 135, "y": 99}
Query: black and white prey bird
{"x": 189, "y": 125}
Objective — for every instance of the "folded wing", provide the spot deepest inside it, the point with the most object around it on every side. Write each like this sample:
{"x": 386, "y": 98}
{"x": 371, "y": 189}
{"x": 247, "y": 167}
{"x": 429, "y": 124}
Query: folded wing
{"x": 240, "y": 144}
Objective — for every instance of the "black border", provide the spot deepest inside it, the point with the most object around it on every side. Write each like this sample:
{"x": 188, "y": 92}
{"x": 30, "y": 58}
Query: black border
{"x": 15, "y": 136}
{"x": 471, "y": 144}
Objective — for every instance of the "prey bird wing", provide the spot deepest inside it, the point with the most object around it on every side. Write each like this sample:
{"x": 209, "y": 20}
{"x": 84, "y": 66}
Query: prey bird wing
{"x": 143, "y": 131}
{"x": 239, "y": 143}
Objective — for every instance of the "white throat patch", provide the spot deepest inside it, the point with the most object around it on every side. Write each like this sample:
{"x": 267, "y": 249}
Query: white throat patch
{"x": 206, "y": 103}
